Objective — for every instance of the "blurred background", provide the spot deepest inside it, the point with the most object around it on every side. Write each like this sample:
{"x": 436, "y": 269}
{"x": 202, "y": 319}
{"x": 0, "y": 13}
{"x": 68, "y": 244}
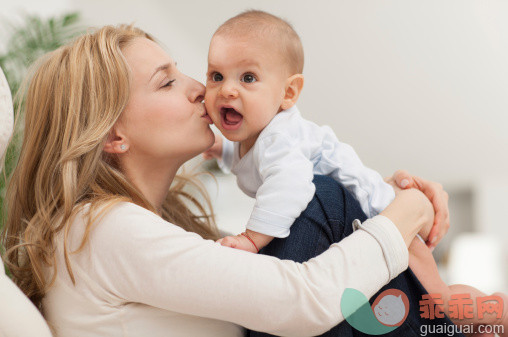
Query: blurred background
{"x": 415, "y": 85}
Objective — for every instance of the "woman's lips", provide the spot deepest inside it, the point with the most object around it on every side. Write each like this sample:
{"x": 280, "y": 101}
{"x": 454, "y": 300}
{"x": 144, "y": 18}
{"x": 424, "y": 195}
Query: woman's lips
{"x": 230, "y": 118}
{"x": 207, "y": 117}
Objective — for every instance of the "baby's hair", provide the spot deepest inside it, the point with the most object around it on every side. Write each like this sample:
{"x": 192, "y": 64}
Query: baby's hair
{"x": 264, "y": 24}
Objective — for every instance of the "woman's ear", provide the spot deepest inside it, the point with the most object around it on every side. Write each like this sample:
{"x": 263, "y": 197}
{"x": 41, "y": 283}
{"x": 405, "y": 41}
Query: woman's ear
{"x": 294, "y": 86}
{"x": 116, "y": 143}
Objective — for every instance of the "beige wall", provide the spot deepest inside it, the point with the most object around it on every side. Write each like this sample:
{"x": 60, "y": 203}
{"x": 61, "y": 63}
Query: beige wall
{"x": 414, "y": 84}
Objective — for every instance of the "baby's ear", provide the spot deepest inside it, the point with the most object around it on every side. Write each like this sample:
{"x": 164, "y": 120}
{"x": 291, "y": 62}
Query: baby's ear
{"x": 293, "y": 88}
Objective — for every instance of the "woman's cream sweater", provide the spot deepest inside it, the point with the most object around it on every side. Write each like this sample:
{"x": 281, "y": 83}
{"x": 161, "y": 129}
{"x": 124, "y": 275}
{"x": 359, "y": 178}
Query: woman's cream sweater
{"x": 141, "y": 276}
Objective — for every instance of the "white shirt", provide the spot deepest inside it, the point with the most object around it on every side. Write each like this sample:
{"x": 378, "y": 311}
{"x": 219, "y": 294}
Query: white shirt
{"x": 139, "y": 275}
{"x": 279, "y": 168}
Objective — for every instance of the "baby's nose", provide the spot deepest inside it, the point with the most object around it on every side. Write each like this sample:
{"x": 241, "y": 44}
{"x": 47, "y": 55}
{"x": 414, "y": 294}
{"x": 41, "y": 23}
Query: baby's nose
{"x": 229, "y": 90}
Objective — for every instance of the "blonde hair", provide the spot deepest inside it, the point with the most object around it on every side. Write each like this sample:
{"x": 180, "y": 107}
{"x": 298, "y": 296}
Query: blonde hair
{"x": 263, "y": 24}
{"x": 75, "y": 96}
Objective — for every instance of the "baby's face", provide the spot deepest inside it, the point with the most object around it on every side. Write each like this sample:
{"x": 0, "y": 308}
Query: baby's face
{"x": 245, "y": 85}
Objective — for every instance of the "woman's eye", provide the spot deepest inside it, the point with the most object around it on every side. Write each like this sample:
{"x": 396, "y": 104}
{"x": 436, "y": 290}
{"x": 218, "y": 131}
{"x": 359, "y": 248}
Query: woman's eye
{"x": 248, "y": 78}
{"x": 168, "y": 84}
{"x": 217, "y": 77}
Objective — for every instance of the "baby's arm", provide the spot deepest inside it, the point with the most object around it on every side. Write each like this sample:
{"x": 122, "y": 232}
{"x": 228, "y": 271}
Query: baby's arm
{"x": 286, "y": 189}
{"x": 340, "y": 161}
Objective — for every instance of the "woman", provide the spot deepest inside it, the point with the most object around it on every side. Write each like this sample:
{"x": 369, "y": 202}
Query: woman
{"x": 109, "y": 120}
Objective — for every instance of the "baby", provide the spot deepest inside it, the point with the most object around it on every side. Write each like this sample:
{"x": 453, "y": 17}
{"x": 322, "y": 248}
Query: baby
{"x": 254, "y": 79}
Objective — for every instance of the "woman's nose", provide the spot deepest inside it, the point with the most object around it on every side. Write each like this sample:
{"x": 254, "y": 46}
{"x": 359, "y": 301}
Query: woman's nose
{"x": 228, "y": 90}
{"x": 196, "y": 92}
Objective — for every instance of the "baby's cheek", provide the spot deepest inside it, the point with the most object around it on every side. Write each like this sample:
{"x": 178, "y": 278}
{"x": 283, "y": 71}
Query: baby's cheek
{"x": 209, "y": 107}
{"x": 209, "y": 98}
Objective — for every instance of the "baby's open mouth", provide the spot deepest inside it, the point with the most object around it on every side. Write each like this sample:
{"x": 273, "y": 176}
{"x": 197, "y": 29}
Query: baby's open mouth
{"x": 230, "y": 118}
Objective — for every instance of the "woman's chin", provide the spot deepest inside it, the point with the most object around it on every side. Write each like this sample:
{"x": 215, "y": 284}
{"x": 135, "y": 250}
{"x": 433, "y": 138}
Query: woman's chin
{"x": 211, "y": 138}
{"x": 210, "y": 142}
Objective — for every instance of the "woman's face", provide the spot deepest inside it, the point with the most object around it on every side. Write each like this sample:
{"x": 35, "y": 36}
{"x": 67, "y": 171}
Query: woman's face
{"x": 165, "y": 117}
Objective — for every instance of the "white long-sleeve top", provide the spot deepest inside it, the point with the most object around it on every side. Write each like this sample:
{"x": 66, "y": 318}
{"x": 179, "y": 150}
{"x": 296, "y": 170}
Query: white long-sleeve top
{"x": 139, "y": 275}
{"x": 279, "y": 168}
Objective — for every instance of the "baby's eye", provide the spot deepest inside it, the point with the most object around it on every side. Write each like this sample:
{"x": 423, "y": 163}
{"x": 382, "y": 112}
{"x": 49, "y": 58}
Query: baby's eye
{"x": 248, "y": 78}
{"x": 217, "y": 77}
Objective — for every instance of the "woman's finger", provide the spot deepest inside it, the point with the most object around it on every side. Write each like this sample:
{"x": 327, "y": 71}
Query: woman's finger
{"x": 403, "y": 179}
{"x": 441, "y": 228}
{"x": 439, "y": 199}
{"x": 437, "y": 196}
{"x": 433, "y": 237}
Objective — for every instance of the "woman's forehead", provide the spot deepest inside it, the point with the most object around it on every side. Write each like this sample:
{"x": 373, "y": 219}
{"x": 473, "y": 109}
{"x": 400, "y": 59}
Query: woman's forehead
{"x": 145, "y": 56}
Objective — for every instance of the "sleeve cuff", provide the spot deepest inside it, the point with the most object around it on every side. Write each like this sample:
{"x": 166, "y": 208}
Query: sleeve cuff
{"x": 268, "y": 223}
{"x": 391, "y": 242}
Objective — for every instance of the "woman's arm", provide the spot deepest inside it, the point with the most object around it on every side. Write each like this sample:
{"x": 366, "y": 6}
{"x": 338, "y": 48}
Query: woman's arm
{"x": 141, "y": 258}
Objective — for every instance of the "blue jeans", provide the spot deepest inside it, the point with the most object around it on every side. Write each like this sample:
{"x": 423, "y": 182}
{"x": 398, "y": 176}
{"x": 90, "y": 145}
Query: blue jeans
{"x": 328, "y": 219}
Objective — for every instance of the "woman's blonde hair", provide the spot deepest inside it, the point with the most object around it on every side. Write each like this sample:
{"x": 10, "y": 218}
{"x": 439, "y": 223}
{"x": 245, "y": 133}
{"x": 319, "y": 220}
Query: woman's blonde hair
{"x": 74, "y": 97}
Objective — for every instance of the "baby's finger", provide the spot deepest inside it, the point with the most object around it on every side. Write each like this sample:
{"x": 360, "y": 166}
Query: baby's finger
{"x": 229, "y": 242}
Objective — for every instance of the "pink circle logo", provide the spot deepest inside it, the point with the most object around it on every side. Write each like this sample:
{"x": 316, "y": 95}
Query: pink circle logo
{"x": 391, "y": 307}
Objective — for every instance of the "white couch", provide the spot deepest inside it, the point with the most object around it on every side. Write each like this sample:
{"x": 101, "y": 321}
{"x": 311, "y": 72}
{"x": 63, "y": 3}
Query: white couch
{"x": 18, "y": 316}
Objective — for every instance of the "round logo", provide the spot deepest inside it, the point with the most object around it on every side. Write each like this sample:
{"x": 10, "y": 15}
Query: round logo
{"x": 391, "y": 307}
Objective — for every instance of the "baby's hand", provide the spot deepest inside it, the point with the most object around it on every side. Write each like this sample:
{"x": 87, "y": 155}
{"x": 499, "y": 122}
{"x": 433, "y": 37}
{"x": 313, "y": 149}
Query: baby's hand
{"x": 238, "y": 242}
{"x": 215, "y": 151}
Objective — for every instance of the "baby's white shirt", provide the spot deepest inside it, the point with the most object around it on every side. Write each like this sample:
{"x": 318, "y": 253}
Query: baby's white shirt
{"x": 279, "y": 168}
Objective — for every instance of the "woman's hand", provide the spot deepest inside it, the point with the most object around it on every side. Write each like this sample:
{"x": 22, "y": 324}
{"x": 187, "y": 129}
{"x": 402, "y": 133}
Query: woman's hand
{"x": 412, "y": 213}
{"x": 438, "y": 197}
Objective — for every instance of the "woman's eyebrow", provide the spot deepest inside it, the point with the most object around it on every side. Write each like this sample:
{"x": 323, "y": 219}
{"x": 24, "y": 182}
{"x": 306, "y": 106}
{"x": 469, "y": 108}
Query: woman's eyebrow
{"x": 160, "y": 68}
